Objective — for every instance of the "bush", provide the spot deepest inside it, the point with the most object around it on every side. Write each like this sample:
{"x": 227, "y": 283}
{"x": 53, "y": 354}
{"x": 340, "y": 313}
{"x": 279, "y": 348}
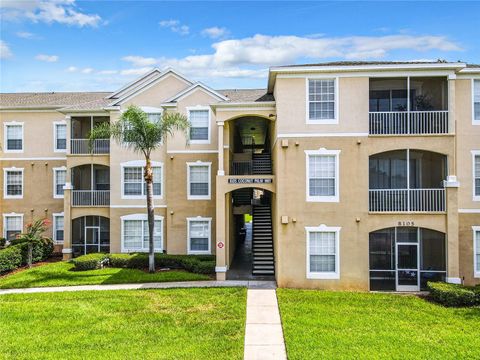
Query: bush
{"x": 119, "y": 260}
{"x": 3, "y": 242}
{"x": 89, "y": 262}
{"x": 453, "y": 295}
{"x": 16, "y": 254}
{"x": 10, "y": 258}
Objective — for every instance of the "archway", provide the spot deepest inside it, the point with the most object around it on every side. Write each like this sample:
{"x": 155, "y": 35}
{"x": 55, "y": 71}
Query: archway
{"x": 406, "y": 258}
{"x": 90, "y": 234}
{"x": 251, "y": 252}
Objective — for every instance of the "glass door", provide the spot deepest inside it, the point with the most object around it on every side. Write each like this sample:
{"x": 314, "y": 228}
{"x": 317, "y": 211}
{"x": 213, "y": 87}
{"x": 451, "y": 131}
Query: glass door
{"x": 407, "y": 267}
{"x": 92, "y": 239}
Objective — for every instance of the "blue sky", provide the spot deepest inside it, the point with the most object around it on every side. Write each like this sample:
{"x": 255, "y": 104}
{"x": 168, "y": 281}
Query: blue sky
{"x": 68, "y": 45}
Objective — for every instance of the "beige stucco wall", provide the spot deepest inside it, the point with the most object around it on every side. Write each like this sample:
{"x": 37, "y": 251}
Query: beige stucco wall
{"x": 466, "y": 247}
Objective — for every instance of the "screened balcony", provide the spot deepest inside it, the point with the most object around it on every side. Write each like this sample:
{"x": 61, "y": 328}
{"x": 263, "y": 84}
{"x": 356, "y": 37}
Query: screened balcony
{"x": 407, "y": 181}
{"x": 91, "y": 185}
{"x": 80, "y": 130}
{"x": 408, "y": 106}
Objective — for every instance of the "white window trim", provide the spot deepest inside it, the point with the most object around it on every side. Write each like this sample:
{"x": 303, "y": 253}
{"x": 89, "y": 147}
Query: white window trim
{"x": 474, "y": 153}
{"x": 196, "y": 252}
{"x": 142, "y": 217}
{"x": 5, "y": 150}
{"x": 323, "y": 151}
{"x": 55, "y": 169}
{"x": 200, "y": 107}
{"x": 5, "y": 216}
{"x": 55, "y": 124}
{"x": 476, "y": 274}
{"x": 474, "y": 121}
{"x": 307, "y": 99}
{"x": 140, "y": 163}
{"x": 199, "y": 197}
{"x": 54, "y": 227}
{"x": 324, "y": 275}
{"x": 5, "y": 196}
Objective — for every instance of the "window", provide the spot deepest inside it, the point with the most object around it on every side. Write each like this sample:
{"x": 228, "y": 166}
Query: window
{"x": 322, "y": 101}
{"x": 323, "y": 252}
{"x": 199, "y": 118}
{"x": 199, "y": 235}
{"x": 133, "y": 181}
{"x": 58, "y": 228}
{"x": 476, "y": 175}
{"x": 60, "y": 136}
{"x": 13, "y": 137}
{"x": 135, "y": 233}
{"x": 476, "y": 101}
{"x": 198, "y": 181}
{"x": 13, "y": 183}
{"x": 59, "y": 180}
{"x": 476, "y": 250}
{"x": 12, "y": 225}
{"x": 322, "y": 175}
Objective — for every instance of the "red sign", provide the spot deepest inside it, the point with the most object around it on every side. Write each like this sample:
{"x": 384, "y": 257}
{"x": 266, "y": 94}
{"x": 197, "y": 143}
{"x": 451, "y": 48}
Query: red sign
{"x": 220, "y": 245}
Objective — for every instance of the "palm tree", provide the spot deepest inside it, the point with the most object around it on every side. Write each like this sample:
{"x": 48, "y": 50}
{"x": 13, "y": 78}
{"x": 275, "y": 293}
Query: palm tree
{"x": 135, "y": 130}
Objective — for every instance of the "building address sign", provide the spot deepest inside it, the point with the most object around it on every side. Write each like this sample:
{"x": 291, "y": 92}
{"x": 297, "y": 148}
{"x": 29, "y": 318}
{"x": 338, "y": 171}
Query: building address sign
{"x": 249, "y": 181}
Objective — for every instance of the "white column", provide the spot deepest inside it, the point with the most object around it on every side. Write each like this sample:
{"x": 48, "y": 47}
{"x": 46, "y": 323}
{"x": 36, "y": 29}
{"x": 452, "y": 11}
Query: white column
{"x": 221, "y": 170}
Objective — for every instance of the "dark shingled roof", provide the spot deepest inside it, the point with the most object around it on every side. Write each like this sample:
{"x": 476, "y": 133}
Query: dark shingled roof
{"x": 247, "y": 95}
{"x": 49, "y": 99}
{"x": 360, "y": 63}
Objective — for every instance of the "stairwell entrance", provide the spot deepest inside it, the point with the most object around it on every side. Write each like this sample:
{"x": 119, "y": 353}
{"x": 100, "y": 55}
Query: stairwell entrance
{"x": 252, "y": 235}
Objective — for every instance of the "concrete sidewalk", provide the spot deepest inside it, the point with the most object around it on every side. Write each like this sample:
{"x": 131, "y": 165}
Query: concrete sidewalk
{"x": 263, "y": 332}
{"x": 163, "y": 285}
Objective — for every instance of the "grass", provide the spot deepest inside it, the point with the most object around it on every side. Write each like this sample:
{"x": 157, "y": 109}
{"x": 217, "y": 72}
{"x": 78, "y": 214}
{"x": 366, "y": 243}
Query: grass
{"x": 345, "y": 325}
{"x": 128, "y": 324}
{"x": 61, "y": 274}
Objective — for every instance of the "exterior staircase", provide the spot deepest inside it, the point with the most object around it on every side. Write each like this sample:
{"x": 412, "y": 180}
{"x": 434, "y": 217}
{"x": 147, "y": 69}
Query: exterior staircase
{"x": 262, "y": 164}
{"x": 263, "y": 260}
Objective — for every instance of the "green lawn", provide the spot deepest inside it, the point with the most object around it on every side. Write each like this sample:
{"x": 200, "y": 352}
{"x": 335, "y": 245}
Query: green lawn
{"x": 61, "y": 274}
{"x": 128, "y": 324}
{"x": 345, "y": 325}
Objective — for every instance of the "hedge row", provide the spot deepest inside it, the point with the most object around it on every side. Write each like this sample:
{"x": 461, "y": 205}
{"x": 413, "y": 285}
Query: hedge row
{"x": 16, "y": 254}
{"x": 200, "y": 264}
{"x": 454, "y": 295}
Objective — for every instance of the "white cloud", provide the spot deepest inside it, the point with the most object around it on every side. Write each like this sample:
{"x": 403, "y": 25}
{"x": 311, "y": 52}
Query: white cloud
{"x": 107, "y": 72}
{"x": 175, "y": 26}
{"x": 72, "y": 69}
{"x": 25, "y": 35}
{"x": 59, "y": 11}
{"x": 249, "y": 57}
{"x": 5, "y": 51}
{"x": 47, "y": 58}
{"x": 215, "y": 32}
{"x": 140, "y": 61}
{"x": 136, "y": 71}
{"x": 87, "y": 71}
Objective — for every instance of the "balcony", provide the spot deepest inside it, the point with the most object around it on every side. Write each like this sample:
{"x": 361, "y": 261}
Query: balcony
{"x": 408, "y": 106}
{"x": 91, "y": 185}
{"x": 407, "y": 200}
{"x": 83, "y": 147}
{"x": 91, "y": 198}
{"x": 80, "y": 131}
{"x": 407, "y": 181}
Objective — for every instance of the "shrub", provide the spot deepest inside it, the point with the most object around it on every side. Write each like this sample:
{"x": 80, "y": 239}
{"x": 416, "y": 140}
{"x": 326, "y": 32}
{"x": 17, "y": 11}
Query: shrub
{"x": 10, "y": 258}
{"x": 89, "y": 261}
{"x": 3, "y": 242}
{"x": 119, "y": 260}
{"x": 453, "y": 294}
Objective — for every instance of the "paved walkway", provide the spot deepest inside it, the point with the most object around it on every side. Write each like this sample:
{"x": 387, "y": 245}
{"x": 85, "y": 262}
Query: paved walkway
{"x": 263, "y": 334}
{"x": 164, "y": 285}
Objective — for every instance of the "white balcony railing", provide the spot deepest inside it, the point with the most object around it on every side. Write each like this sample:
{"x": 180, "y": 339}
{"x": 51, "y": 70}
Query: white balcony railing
{"x": 90, "y": 197}
{"x": 407, "y": 200}
{"x": 82, "y": 146}
{"x": 408, "y": 122}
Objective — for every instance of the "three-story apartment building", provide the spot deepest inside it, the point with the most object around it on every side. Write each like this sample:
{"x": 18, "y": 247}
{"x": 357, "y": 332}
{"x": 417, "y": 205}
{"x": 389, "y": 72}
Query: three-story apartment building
{"x": 358, "y": 175}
